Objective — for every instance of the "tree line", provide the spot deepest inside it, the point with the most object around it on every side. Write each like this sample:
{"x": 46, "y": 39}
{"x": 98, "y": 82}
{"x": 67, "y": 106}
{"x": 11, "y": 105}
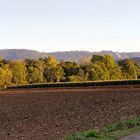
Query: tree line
{"x": 48, "y": 69}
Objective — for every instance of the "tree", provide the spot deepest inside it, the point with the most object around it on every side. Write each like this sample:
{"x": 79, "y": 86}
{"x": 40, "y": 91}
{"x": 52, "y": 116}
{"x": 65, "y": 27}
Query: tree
{"x": 35, "y": 70}
{"x": 97, "y": 71}
{"x": 97, "y": 58}
{"x": 70, "y": 68}
{"x": 129, "y": 69}
{"x": 115, "y": 72}
{"x": 40, "y": 65}
{"x": 33, "y": 75}
{"x": 5, "y": 76}
{"x": 109, "y": 61}
{"x": 3, "y": 62}
{"x": 51, "y": 61}
{"x": 18, "y": 72}
{"x": 107, "y": 65}
{"x": 53, "y": 74}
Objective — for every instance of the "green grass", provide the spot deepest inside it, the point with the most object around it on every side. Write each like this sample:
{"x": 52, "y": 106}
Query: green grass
{"x": 110, "y": 132}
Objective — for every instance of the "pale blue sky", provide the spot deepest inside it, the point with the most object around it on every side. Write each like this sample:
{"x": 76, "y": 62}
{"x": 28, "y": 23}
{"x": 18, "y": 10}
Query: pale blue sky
{"x": 64, "y": 25}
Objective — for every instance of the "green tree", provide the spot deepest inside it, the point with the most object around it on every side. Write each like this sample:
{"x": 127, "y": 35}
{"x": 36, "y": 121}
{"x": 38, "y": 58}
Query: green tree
{"x": 33, "y": 75}
{"x": 129, "y": 69}
{"x": 70, "y": 68}
{"x": 53, "y": 71}
{"x": 97, "y": 58}
{"x": 35, "y": 70}
{"x": 107, "y": 65}
{"x": 18, "y": 72}
{"x": 109, "y": 61}
{"x": 54, "y": 74}
{"x": 115, "y": 72}
{"x": 97, "y": 71}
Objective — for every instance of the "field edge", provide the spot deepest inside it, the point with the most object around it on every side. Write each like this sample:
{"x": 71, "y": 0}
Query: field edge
{"x": 113, "y": 131}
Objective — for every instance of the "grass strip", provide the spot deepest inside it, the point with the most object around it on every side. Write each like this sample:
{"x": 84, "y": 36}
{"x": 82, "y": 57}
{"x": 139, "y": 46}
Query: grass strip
{"x": 111, "y": 132}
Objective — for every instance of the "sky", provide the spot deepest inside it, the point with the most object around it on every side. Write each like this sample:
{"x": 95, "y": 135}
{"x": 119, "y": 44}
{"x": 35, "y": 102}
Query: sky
{"x": 68, "y": 25}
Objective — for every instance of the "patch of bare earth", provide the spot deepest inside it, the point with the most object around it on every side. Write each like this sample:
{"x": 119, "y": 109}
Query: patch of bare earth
{"x": 50, "y": 114}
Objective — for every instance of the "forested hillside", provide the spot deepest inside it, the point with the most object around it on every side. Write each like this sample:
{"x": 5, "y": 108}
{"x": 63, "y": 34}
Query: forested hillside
{"x": 48, "y": 69}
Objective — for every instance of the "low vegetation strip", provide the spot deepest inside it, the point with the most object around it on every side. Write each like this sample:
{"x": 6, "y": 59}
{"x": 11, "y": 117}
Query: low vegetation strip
{"x": 111, "y": 132}
{"x": 80, "y": 84}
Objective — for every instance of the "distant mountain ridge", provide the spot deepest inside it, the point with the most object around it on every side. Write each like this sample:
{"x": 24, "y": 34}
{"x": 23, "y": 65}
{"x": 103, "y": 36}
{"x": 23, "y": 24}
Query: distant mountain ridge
{"x": 16, "y": 54}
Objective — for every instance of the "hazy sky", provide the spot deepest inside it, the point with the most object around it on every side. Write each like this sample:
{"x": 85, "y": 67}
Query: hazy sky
{"x": 63, "y": 25}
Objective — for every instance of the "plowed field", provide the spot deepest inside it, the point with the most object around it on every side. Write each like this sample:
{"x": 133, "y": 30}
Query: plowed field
{"x": 50, "y": 114}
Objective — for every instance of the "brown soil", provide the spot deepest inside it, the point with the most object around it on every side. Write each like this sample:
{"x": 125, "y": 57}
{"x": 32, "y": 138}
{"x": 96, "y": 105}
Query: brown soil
{"x": 51, "y": 114}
